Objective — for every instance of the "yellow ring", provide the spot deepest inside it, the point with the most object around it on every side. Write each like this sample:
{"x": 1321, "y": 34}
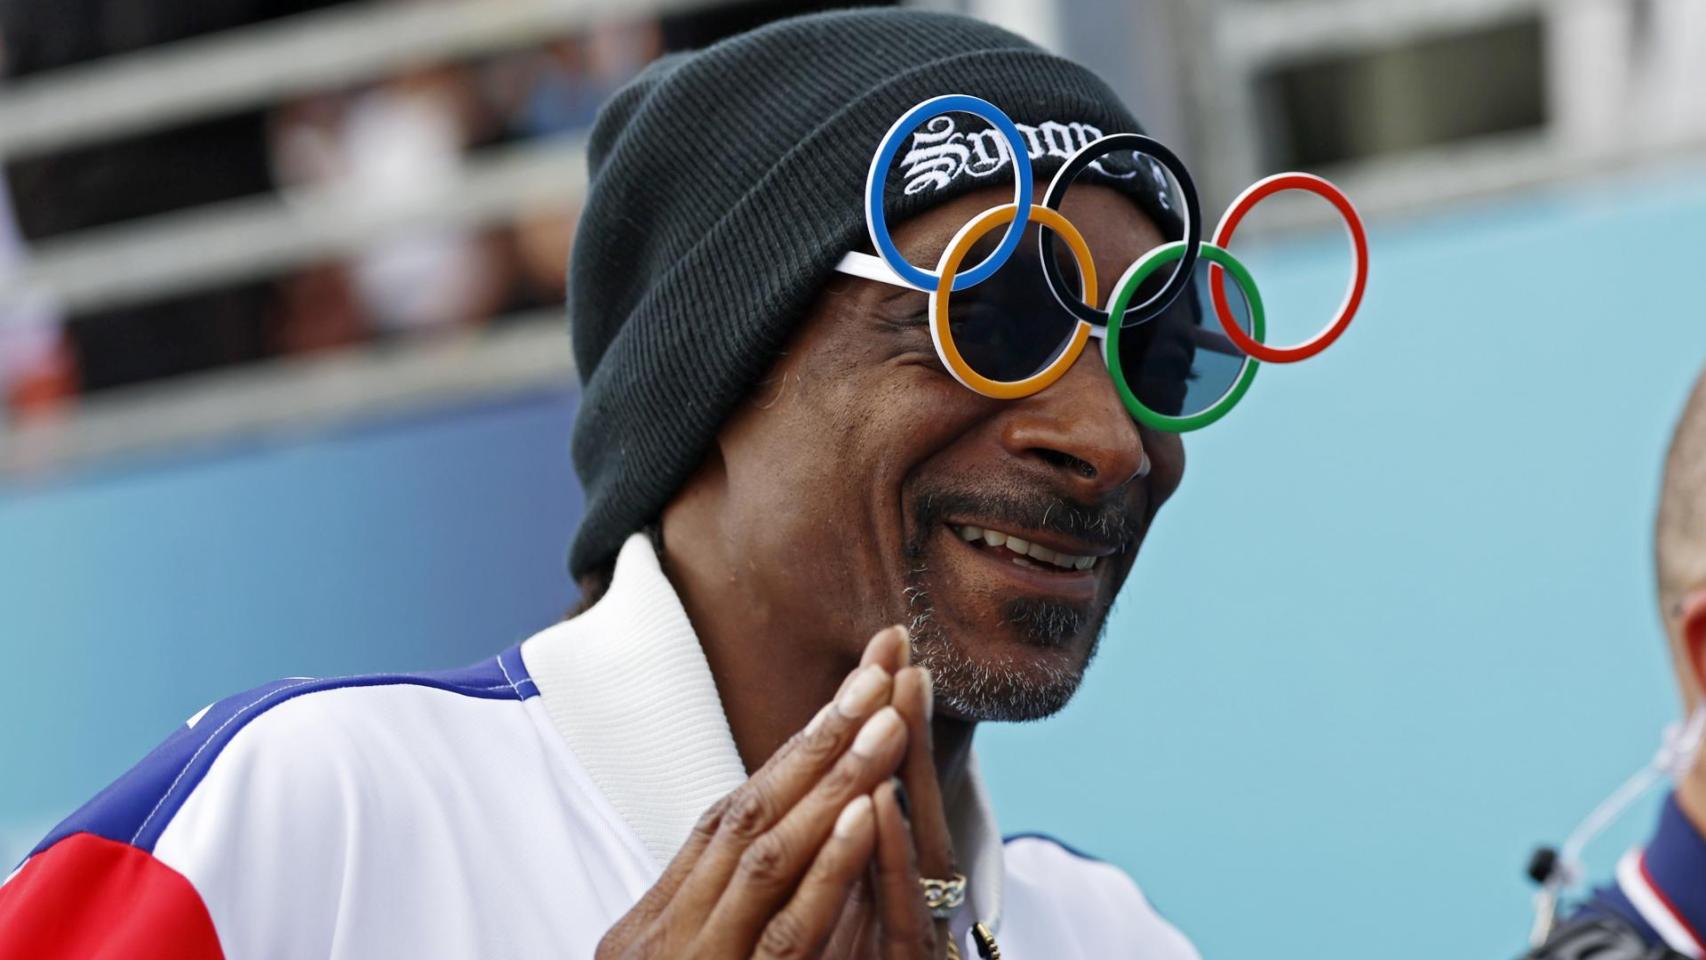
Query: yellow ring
{"x": 949, "y": 266}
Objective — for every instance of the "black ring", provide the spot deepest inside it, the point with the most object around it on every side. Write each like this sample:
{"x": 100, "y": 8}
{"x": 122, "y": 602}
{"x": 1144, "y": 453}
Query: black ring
{"x": 1063, "y": 178}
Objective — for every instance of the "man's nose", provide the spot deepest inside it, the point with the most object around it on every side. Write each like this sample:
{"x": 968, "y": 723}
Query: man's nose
{"x": 1079, "y": 428}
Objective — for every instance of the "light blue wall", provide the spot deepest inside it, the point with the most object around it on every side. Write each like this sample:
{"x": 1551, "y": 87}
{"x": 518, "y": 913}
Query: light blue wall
{"x": 1395, "y": 627}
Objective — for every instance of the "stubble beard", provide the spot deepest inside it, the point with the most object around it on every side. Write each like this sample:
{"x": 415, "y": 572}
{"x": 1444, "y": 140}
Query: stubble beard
{"x": 1001, "y": 688}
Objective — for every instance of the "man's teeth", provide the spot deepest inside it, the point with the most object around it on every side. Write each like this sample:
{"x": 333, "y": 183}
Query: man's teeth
{"x": 1025, "y": 548}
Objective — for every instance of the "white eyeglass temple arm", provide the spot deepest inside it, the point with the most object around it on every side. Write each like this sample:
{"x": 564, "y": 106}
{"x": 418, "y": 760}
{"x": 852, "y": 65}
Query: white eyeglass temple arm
{"x": 868, "y": 267}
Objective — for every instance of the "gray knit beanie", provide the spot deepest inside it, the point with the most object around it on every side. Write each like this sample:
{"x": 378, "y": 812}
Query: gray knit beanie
{"x": 726, "y": 183}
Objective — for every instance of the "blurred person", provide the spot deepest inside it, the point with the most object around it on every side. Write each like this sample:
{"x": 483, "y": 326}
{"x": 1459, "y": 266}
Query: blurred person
{"x": 38, "y": 372}
{"x": 619, "y": 49}
{"x": 692, "y": 29}
{"x": 400, "y": 142}
{"x": 1656, "y": 906}
{"x": 304, "y": 139}
{"x": 542, "y": 244}
{"x": 559, "y": 94}
{"x": 562, "y": 95}
{"x": 812, "y": 564}
{"x": 318, "y": 308}
{"x": 80, "y": 188}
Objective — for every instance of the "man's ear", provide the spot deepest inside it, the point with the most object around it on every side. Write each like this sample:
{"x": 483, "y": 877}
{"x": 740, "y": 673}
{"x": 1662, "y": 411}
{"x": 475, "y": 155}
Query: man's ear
{"x": 1691, "y": 621}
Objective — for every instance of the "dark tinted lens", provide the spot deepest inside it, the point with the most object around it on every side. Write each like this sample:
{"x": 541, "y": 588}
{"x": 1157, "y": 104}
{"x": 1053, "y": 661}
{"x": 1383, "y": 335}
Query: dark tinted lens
{"x": 1009, "y": 327}
{"x": 1181, "y": 362}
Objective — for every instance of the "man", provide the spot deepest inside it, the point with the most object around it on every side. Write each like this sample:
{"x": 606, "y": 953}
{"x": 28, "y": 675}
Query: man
{"x": 1656, "y": 908}
{"x": 728, "y": 752}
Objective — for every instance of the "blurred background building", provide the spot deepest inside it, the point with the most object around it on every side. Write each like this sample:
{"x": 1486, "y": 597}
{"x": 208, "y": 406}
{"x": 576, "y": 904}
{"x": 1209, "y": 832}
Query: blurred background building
{"x": 194, "y": 190}
{"x": 284, "y": 389}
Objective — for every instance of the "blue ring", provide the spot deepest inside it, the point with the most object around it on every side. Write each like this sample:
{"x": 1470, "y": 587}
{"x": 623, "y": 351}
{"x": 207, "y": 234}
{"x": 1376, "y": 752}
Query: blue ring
{"x": 874, "y": 180}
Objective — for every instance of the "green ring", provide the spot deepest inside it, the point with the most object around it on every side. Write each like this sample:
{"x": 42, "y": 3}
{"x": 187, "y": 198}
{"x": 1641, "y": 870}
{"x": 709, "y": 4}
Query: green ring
{"x": 1134, "y": 277}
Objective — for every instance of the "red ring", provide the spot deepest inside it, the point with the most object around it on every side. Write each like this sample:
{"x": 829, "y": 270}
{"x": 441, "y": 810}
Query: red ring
{"x": 1254, "y": 194}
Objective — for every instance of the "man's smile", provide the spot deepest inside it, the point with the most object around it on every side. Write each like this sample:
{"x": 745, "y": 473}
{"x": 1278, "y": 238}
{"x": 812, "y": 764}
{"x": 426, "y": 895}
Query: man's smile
{"x": 1039, "y": 547}
{"x": 995, "y": 547}
{"x": 1022, "y": 574}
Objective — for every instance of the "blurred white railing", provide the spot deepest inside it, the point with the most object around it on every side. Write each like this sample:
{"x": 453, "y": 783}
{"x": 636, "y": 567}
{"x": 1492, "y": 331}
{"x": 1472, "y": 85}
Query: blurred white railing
{"x": 294, "y": 395}
{"x": 273, "y": 61}
{"x": 1623, "y": 87}
{"x": 253, "y": 67}
{"x": 256, "y": 66}
{"x": 259, "y": 236}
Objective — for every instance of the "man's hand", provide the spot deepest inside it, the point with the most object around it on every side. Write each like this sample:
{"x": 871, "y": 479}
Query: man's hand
{"x": 912, "y": 839}
{"x": 769, "y": 869}
{"x": 886, "y": 916}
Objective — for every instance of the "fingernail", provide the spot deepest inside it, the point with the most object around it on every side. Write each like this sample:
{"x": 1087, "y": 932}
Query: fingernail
{"x": 900, "y": 800}
{"x": 847, "y": 680}
{"x": 905, "y": 644}
{"x": 817, "y": 720}
{"x": 929, "y": 694}
{"x": 878, "y": 732}
{"x": 862, "y": 694}
{"x": 853, "y": 816}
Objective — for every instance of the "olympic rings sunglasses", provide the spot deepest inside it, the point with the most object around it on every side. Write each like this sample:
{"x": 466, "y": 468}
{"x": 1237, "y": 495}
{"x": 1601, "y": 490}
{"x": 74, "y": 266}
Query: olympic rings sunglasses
{"x": 1011, "y": 326}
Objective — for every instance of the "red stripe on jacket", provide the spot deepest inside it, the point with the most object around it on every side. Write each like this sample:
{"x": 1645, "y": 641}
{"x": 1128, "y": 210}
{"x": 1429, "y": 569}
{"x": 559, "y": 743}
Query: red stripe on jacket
{"x": 93, "y": 898}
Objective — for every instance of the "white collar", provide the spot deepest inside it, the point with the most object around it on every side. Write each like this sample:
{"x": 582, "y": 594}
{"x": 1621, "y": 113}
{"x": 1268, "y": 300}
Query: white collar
{"x": 627, "y": 685}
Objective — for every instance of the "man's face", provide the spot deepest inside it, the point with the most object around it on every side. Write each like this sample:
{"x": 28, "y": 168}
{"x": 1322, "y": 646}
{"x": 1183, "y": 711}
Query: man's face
{"x": 853, "y": 476}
